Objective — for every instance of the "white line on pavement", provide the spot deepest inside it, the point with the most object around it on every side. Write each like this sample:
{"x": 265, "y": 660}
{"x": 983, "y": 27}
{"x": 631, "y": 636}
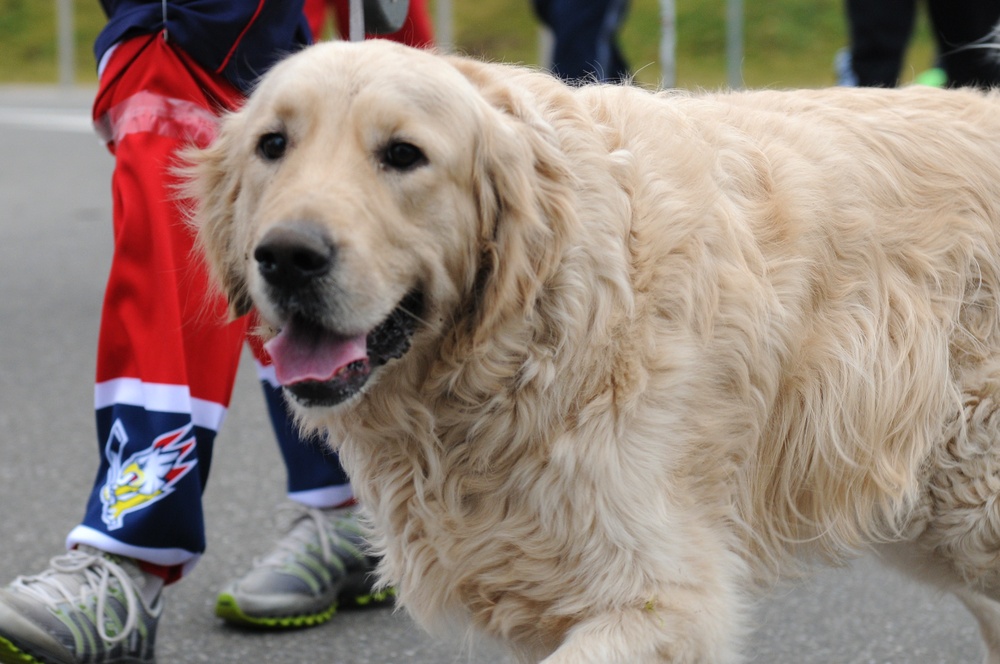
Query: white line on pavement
{"x": 47, "y": 118}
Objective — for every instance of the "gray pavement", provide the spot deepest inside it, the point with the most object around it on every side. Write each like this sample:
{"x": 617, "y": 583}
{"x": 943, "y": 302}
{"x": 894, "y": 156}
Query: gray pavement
{"x": 55, "y": 247}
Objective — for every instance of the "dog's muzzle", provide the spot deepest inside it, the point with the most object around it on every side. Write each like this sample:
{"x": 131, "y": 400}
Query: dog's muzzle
{"x": 317, "y": 365}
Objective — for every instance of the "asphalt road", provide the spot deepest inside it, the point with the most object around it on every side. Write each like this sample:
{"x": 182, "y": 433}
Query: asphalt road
{"x": 55, "y": 247}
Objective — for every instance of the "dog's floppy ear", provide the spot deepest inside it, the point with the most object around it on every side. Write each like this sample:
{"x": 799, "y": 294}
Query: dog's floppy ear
{"x": 525, "y": 192}
{"x": 213, "y": 184}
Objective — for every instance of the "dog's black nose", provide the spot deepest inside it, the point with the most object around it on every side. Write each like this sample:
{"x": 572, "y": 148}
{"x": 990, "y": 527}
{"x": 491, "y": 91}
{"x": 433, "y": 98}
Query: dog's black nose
{"x": 294, "y": 254}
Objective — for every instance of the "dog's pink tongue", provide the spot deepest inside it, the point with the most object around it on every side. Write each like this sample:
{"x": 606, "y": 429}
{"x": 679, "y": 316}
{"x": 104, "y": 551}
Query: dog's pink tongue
{"x": 302, "y": 357}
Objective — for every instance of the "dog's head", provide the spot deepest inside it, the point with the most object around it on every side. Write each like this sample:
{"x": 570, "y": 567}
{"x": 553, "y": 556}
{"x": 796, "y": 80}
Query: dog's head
{"x": 369, "y": 197}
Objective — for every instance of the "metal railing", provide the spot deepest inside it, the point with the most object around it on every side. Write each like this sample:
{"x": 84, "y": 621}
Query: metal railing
{"x": 65, "y": 42}
{"x": 734, "y": 43}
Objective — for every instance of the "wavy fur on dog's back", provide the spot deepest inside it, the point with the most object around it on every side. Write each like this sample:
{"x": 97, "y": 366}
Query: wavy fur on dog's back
{"x": 671, "y": 345}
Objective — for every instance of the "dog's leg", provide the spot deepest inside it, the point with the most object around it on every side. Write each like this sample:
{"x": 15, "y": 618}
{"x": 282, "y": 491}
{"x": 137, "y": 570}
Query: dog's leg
{"x": 649, "y": 635}
{"x": 963, "y": 527}
{"x": 987, "y": 613}
{"x": 958, "y": 547}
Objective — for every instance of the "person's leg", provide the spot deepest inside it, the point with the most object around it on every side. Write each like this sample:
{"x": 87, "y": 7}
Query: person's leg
{"x": 321, "y": 561}
{"x": 959, "y": 28}
{"x": 879, "y": 33}
{"x": 315, "y": 11}
{"x": 313, "y": 472}
{"x": 165, "y": 370}
{"x": 585, "y": 37}
{"x": 417, "y": 30}
{"x": 166, "y": 362}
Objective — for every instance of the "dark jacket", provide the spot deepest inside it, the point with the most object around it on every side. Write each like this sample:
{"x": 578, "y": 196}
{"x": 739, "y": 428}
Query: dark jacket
{"x": 239, "y": 39}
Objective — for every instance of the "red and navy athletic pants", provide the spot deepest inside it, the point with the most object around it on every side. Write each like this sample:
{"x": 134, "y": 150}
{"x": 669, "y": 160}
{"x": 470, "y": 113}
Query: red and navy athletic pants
{"x": 166, "y": 358}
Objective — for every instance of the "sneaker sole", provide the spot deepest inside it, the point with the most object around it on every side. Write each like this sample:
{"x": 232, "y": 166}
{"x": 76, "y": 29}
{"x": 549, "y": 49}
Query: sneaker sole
{"x": 227, "y": 608}
{"x": 371, "y": 599}
{"x": 11, "y": 654}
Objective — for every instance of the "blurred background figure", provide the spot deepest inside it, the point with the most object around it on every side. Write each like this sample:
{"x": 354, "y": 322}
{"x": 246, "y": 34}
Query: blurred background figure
{"x": 585, "y": 36}
{"x": 417, "y": 30}
{"x": 880, "y": 31}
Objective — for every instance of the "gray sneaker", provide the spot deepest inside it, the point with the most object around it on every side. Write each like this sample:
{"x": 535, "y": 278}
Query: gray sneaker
{"x": 87, "y": 607}
{"x": 318, "y": 565}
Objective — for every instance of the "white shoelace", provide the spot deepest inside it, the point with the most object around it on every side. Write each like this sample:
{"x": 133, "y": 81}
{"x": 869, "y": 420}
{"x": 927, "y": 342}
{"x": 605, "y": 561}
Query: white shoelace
{"x": 62, "y": 583}
{"x": 308, "y": 523}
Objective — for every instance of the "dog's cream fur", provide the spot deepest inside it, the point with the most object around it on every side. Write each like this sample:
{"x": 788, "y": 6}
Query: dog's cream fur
{"x": 674, "y": 345}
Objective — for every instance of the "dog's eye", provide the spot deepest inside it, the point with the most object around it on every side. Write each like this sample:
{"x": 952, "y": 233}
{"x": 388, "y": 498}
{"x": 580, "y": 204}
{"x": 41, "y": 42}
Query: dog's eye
{"x": 272, "y": 146}
{"x": 402, "y": 156}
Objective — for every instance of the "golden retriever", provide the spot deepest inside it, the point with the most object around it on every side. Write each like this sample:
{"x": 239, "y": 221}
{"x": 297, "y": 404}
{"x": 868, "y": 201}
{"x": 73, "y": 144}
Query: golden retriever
{"x": 603, "y": 362}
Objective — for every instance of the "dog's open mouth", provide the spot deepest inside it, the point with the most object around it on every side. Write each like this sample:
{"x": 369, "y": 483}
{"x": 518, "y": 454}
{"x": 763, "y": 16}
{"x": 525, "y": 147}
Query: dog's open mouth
{"x": 322, "y": 368}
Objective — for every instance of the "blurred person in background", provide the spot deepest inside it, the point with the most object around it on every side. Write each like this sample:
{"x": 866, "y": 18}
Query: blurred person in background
{"x": 880, "y": 31}
{"x": 585, "y": 39}
{"x": 417, "y": 30}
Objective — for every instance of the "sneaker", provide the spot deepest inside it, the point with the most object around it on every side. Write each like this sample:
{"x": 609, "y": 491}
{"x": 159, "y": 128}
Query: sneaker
{"x": 88, "y": 606}
{"x": 934, "y": 77}
{"x": 318, "y": 565}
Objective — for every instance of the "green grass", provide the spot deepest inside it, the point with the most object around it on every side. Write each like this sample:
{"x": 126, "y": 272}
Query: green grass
{"x": 787, "y": 43}
{"x": 28, "y": 40}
